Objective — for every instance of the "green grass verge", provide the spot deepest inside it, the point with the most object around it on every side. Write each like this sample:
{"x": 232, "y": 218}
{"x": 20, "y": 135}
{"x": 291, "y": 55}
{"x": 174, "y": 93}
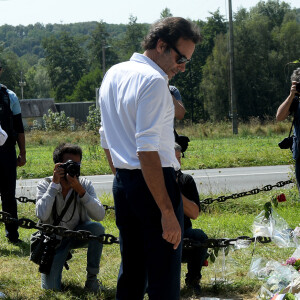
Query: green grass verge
{"x": 203, "y": 152}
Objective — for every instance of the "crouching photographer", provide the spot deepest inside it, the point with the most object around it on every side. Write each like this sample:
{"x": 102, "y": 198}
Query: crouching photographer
{"x": 291, "y": 105}
{"x": 72, "y": 200}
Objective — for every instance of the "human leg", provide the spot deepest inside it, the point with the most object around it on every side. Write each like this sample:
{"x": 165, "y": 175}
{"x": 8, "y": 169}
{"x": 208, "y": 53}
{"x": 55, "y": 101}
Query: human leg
{"x": 132, "y": 274}
{"x": 297, "y": 172}
{"x": 8, "y": 188}
{"x": 196, "y": 256}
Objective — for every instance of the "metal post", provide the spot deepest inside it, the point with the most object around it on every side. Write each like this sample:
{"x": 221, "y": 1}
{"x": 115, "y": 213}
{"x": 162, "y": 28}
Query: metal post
{"x": 22, "y": 84}
{"x": 232, "y": 84}
{"x": 103, "y": 60}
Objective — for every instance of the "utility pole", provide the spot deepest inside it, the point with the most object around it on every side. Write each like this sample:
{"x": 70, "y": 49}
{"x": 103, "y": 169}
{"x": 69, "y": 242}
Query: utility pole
{"x": 22, "y": 84}
{"x": 103, "y": 58}
{"x": 232, "y": 79}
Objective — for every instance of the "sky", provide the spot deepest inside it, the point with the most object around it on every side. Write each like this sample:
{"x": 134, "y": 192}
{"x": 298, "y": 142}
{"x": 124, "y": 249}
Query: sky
{"x": 25, "y": 12}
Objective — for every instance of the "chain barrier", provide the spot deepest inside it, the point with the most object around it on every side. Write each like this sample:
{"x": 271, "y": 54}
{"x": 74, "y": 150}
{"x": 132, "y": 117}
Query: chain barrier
{"x": 109, "y": 239}
{"x": 206, "y": 201}
{"x": 255, "y": 191}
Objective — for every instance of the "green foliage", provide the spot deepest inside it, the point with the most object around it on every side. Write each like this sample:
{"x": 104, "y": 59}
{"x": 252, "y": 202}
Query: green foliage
{"x": 66, "y": 63}
{"x": 93, "y": 119}
{"x": 85, "y": 89}
{"x": 56, "y": 121}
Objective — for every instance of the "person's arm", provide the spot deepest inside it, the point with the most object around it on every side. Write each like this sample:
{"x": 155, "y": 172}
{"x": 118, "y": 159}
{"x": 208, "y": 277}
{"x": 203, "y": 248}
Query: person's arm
{"x": 179, "y": 109}
{"x": 284, "y": 109}
{"x": 21, "y": 160}
{"x": 108, "y": 156}
{"x": 153, "y": 175}
{"x": 88, "y": 197}
{"x": 190, "y": 208}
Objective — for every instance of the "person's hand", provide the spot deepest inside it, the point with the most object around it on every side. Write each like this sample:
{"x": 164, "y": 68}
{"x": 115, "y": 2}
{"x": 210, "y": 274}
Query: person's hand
{"x": 293, "y": 88}
{"x": 58, "y": 173}
{"x": 76, "y": 185}
{"x": 21, "y": 160}
{"x": 171, "y": 229}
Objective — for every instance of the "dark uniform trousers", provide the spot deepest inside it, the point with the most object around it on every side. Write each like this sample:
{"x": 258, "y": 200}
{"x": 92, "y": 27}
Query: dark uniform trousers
{"x": 146, "y": 256}
{"x": 8, "y": 176}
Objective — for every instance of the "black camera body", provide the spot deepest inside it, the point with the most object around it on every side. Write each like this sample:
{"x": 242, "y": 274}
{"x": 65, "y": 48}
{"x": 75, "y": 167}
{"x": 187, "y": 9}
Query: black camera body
{"x": 298, "y": 87}
{"x": 286, "y": 143}
{"x": 72, "y": 168}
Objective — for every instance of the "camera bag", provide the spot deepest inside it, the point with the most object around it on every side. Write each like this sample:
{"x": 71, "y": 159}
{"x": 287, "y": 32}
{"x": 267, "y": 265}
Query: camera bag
{"x": 38, "y": 239}
{"x": 287, "y": 142}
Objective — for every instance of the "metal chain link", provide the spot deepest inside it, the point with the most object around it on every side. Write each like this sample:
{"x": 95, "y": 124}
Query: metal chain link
{"x": 107, "y": 239}
{"x": 255, "y": 191}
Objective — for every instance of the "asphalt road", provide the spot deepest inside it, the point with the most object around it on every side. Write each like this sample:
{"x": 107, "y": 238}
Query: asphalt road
{"x": 209, "y": 181}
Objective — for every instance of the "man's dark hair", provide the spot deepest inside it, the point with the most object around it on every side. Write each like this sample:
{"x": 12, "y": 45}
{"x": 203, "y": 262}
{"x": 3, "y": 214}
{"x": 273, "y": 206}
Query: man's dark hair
{"x": 170, "y": 30}
{"x": 64, "y": 148}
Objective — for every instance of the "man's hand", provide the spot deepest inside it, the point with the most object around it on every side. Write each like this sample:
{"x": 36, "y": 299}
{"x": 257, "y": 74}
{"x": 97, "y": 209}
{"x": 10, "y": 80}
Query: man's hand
{"x": 21, "y": 160}
{"x": 75, "y": 185}
{"x": 58, "y": 173}
{"x": 171, "y": 229}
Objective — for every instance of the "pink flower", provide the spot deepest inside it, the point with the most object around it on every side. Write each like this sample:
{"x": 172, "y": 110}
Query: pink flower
{"x": 281, "y": 198}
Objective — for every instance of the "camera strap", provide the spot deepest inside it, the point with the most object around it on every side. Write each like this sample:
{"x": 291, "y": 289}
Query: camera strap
{"x": 292, "y": 126}
{"x": 59, "y": 217}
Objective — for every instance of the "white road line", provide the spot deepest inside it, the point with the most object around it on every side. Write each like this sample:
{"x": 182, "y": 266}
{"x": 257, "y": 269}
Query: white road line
{"x": 234, "y": 175}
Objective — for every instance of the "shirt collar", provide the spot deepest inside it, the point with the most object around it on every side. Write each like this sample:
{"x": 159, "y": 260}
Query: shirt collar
{"x": 140, "y": 58}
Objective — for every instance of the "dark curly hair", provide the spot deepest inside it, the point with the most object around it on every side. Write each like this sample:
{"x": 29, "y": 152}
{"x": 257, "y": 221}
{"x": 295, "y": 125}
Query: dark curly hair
{"x": 170, "y": 30}
{"x": 64, "y": 148}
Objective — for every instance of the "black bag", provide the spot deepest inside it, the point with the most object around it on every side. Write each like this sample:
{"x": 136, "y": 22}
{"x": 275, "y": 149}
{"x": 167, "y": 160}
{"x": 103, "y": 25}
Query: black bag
{"x": 287, "y": 143}
{"x": 42, "y": 246}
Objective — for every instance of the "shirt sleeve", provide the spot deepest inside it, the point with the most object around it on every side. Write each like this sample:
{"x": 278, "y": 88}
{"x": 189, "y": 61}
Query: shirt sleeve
{"x": 152, "y": 104}
{"x": 14, "y": 103}
{"x": 188, "y": 188}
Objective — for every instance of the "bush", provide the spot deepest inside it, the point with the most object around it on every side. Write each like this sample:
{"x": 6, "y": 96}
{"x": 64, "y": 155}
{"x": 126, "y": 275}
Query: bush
{"x": 55, "y": 121}
{"x": 93, "y": 119}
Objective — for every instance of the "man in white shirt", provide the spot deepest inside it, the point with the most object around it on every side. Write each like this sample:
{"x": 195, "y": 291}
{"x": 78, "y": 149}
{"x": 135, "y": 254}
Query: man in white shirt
{"x": 137, "y": 114}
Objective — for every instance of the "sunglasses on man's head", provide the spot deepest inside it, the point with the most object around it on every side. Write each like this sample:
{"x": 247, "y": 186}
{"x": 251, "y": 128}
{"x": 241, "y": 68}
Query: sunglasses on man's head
{"x": 182, "y": 58}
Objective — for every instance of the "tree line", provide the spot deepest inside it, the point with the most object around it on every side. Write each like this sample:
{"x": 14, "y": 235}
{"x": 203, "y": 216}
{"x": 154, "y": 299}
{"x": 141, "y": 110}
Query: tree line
{"x": 67, "y": 61}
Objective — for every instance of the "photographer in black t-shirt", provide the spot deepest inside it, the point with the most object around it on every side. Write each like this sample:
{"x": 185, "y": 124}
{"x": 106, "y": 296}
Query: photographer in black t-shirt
{"x": 191, "y": 207}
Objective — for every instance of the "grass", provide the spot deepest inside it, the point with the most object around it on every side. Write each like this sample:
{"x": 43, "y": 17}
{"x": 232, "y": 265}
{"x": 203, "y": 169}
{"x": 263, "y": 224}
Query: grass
{"x": 19, "y": 278}
{"x": 211, "y": 146}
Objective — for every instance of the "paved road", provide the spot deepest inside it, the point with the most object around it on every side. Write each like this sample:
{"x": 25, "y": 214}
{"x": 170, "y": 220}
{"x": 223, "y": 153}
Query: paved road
{"x": 209, "y": 181}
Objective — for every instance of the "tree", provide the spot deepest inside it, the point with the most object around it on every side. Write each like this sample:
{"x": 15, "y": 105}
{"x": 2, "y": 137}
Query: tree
{"x": 100, "y": 42}
{"x": 86, "y": 87}
{"x": 66, "y": 63}
{"x": 165, "y": 13}
{"x": 133, "y": 38}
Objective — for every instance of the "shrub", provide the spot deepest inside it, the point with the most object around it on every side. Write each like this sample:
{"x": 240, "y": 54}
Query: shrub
{"x": 55, "y": 121}
{"x": 93, "y": 119}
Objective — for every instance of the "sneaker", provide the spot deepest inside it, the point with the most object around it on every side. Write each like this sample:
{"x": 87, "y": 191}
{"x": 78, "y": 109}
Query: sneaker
{"x": 93, "y": 286}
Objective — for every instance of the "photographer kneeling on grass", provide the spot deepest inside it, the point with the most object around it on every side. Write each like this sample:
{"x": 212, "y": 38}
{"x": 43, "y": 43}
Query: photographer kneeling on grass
{"x": 52, "y": 197}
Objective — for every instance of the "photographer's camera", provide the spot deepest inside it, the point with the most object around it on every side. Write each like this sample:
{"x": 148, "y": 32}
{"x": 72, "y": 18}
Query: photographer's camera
{"x": 72, "y": 168}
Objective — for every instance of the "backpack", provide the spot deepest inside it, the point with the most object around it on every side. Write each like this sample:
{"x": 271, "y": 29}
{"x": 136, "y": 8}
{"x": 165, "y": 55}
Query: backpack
{"x": 182, "y": 140}
{"x": 6, "y": 116}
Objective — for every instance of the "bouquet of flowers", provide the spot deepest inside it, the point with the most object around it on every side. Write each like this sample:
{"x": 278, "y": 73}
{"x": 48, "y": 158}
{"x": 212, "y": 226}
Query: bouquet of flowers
{"x": 292, "y": 261}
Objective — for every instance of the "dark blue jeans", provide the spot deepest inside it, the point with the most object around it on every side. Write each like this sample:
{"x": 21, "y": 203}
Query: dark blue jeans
{"x": 195, "y": 257}
{"x": 145, "y": 255}
{"x": 8, "y": 177}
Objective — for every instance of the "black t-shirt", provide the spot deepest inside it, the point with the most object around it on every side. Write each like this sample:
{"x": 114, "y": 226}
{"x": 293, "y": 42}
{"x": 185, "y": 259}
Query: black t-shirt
{"x": 188, "y": 188}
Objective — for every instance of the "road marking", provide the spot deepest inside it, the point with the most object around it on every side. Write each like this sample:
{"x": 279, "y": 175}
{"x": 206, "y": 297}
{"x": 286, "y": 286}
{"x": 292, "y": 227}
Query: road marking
{"x": 234, "y": 175}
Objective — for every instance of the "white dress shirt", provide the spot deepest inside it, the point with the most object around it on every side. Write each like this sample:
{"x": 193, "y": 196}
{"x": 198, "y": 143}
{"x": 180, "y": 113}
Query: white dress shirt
{"x": 137, "y": 113}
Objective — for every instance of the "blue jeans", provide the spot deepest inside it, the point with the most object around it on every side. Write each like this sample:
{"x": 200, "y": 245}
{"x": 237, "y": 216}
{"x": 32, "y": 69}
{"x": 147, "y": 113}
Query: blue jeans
{"x": 195, "y": 257}
{"x": 53, "y": 280}
{"x": 146, "y": 256}
{"x": 8, "y": 176}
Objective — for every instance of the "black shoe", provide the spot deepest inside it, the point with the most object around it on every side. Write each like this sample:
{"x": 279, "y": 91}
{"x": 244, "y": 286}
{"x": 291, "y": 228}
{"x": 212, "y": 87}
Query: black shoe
{"x": 194, "y": 285}
{"x": 15, "y": 241}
